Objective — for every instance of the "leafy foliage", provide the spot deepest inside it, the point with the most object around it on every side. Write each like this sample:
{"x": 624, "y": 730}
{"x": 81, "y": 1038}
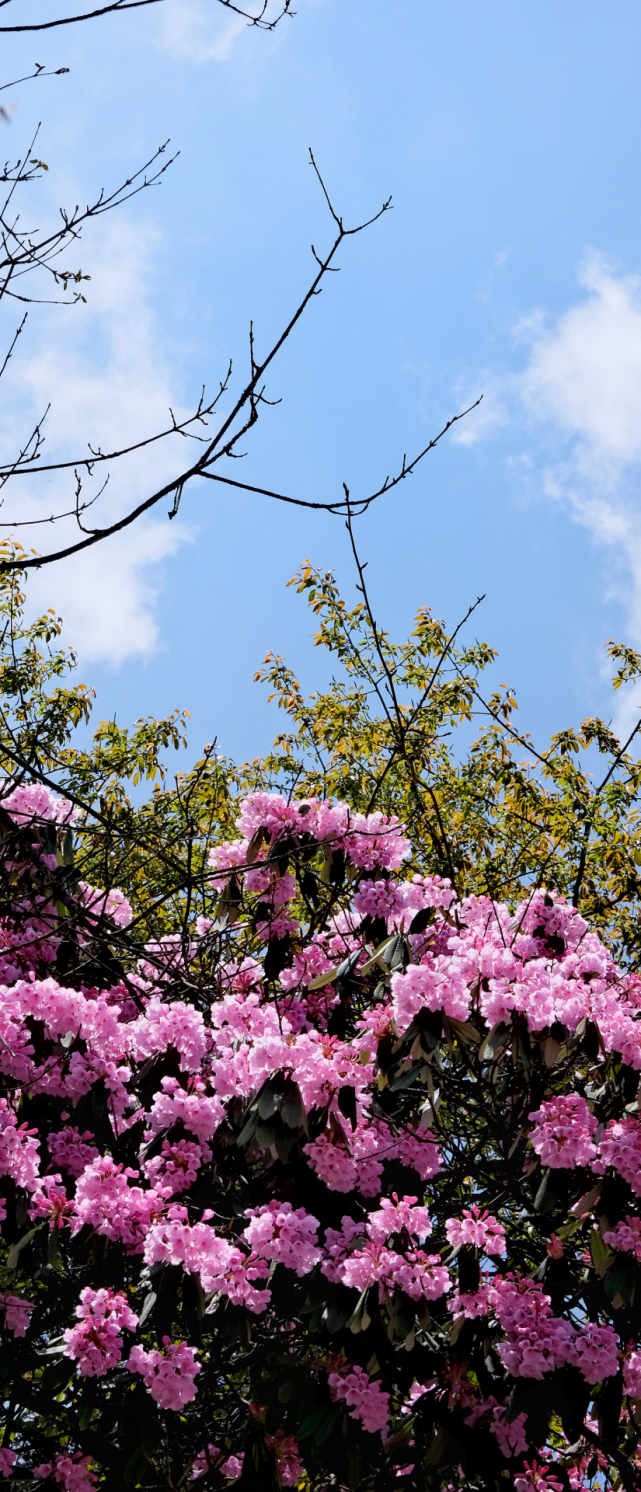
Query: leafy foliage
{"x": 320, "y": 1143}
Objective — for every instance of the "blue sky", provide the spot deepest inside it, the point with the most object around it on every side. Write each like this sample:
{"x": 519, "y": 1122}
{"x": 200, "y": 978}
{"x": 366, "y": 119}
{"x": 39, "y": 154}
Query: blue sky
{"x": 508, "y": 134}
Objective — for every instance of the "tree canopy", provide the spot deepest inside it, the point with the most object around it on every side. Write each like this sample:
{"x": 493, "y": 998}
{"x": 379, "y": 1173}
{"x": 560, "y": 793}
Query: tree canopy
{"x": 319, "y": 1135}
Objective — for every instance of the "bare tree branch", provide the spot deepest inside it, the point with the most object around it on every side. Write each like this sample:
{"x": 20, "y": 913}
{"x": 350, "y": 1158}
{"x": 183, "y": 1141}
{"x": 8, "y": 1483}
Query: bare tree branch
{"x": 259, "y": 20}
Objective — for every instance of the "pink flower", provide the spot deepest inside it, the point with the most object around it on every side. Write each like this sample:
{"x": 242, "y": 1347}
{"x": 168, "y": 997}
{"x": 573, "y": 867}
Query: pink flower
{"x": 176, "y": 1168}
{"x": 71, "y": 1151}
{"x": 223, "y": 1269}
{"x": 367, "y": 1401}
{"x": 96, "y": 1342}
{"x": 472, "y": 1305}
{"x": 477, "y": 1228}
{"x": 621, "y": 1148}
{"x": 435, "y": 984}
{"x": 16, "y": 1313}
{"x": 537, "y": 1478}
{"x": 50, "y": 1201}
{"x": 632, "y": 1373}
{"x": 7, "y": 1459}
{"x": 107, "y": 1203}
{"x": 332, "y": 1163}
{"x": 288, "y": 1462}
{"x": 169, "y": 1376}
{"x": 398, "y": 1216}
{"x": 596, "y": 1352}
{"x": 536, "y": 1341}
{"x": 563, "y": 1134}
{"x": 511, "y": 1435}
{"x": 278, "y": 1232}
{"x": 72, "y": 1471}
{"x": 626, "y": 1237}
{"x": 18, "y": 1149}
{"x": 554, "y": 1247}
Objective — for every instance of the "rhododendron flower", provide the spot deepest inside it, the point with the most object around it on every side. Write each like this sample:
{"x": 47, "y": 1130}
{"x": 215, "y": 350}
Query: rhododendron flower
{"x": 620, "y": 1147}
{"x": 476, "y": 1228}
{"x": 16, "y": 1313}
{"x": 510, "y": 1434}
{"x": 536, "y": 1478}
{"x": 595, "y": 1352}
{"x": 562, "y": 1135}
{"x": 626, "y": 1237}
{"x": 536, "y": 1341}
{"x": 71, "y": 1151}
{"x": 285, "y": 1451}
{"x": 471, "y": 1304}
{"x": 169, "y": 1376}
{"x": 397, "y": 1216}
{"x": 114, "y": 1209}
{"x": 7, "y": 1461}
{"x": 431, "y": 985}
{"x": 231, "y": 1467}
{"x": 367, "y": 1401}
{"x": 96, "y": 1342}
{"x": 18, "y": 1149}
{"x": 278, "y": 1232}
{"x": 176, "y": 1168}
{"x": 554, "y": 1247}
{"x": 223, "y": 1269}
{"x": 632, "y": 1374}
{"x": 50, "y": 1200}
{"x": 73, "y": 1472}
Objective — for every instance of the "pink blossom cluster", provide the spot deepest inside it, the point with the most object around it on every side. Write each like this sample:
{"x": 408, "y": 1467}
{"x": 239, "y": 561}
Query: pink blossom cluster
{"x": 510, "y": 1434}
{"x": 279, "y": 1232}
{"x": 33, "y": 803}
{"x": 478, "y": 1229}
{"x": 365, "y": 1398}
{"x": 222, "y": 1268}
{"x": 626, "y": 1237}
{"x": 16, "y": 1313}
{"x": 359, "y": 1257}
{"x": 536, "y": 1341}
{"x": 632, "y": 1374}
{"x": 230, "y": 1466}
{"x": 472, "y": 961}
{"x": 620, "y": 1148}
{"x": 169, "y": 1376}
{"x": 96, "y": 1342}
{"x": 563, "y": 1132}
{"x": 284, "y": 1449}
{"x": 537, "y": 1478}
{"x": 72, "y": 1472}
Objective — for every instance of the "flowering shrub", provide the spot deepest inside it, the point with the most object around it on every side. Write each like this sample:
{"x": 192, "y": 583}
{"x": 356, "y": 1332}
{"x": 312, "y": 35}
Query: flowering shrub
{"x": 336, "y": 1187}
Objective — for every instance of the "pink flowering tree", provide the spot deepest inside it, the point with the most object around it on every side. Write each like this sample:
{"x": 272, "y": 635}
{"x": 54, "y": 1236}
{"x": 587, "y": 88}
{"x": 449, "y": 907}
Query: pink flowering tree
{"x": 334, "y": 1186}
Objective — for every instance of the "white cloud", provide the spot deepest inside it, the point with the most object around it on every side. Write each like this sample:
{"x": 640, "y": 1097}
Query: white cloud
{"x": 188, "y": 34}
{"x": 579, "y": 397}
{"x": 102, "y": 368}
{"x": 194, "y": 35}
{"x": 584, "y": 372}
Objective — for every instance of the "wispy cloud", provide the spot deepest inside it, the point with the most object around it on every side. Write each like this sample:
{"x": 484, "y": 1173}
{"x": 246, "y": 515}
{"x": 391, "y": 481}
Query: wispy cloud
{"x": 193, "y": 34}
{"x": 577, "y": 399}
{"x": 103, "y": 370}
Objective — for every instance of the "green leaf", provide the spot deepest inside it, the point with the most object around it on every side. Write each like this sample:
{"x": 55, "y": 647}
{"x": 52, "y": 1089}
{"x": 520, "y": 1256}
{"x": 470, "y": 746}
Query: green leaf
{"x": 550, "y": 1191}
{"x": 327, "y": 978}
{"x": 136, "y": 1469}
{"x": 151, "y": 1438}
{"x": 58, "y": 1374}
{"x": 601, "y": 1254}
{"x": 13, "y": 1254}
{"x": 311, "y": 1423}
